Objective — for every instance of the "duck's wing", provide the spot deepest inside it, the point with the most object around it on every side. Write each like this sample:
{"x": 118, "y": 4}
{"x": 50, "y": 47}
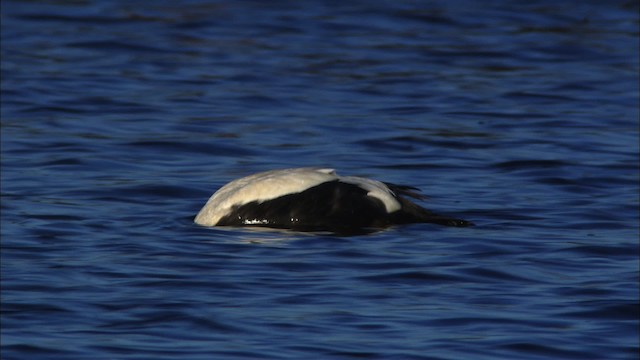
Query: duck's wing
{"x": 405, "y": 190}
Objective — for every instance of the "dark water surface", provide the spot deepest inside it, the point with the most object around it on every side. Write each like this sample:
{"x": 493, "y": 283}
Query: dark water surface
{"x": 120, "y": 118}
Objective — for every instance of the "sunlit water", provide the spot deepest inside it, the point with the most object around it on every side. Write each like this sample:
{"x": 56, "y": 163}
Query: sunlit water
{"x": 119, "y": 119}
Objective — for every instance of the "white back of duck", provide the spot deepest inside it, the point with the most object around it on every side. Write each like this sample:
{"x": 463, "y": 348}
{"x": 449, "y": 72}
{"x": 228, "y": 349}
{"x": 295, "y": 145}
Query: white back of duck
{"x": 260, "y": 187}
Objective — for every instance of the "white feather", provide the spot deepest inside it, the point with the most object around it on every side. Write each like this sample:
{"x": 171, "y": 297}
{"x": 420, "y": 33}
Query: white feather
{"x": 375, "y": 189}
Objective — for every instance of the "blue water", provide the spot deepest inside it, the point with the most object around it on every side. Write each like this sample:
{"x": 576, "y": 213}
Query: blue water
{"x": 120, "y": 118}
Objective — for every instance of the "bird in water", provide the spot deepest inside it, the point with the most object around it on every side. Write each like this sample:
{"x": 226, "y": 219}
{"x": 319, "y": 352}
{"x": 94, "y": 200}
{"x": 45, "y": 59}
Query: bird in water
{"x": 316, "y": 199}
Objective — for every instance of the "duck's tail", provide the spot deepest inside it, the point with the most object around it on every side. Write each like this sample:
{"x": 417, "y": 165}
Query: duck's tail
{"x": 414, "y": 213}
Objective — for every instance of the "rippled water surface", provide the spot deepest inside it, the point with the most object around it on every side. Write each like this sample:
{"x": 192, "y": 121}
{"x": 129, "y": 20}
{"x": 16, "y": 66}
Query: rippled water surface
{"x": 119, "y": 119}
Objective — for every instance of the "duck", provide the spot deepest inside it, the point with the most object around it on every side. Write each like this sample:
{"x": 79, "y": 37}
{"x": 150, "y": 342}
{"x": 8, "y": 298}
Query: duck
{"x": 316, "y": 199}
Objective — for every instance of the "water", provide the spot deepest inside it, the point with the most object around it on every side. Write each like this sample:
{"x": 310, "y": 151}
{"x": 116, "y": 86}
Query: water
{"x": 119, "y": 119}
